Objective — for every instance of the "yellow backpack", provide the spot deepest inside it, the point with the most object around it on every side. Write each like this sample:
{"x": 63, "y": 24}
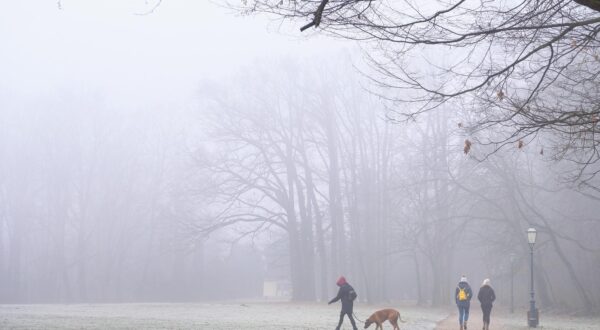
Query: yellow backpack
{"x": 462, "y": 294}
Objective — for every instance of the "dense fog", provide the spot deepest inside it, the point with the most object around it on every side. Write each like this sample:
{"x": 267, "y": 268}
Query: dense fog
{"x": 190, "y": 154}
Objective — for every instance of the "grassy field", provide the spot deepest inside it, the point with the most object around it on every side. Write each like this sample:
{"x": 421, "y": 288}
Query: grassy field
{"x": 267, "y": 316}
{"x": 256, "y": 315}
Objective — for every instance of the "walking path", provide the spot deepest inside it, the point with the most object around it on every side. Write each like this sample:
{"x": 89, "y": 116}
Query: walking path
{"x": 475, "y": 321}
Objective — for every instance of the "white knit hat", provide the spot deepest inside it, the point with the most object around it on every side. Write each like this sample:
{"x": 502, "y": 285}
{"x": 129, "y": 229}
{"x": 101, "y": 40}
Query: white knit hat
{"x": 486, "y": 282}
{"x": 463, "y": 278}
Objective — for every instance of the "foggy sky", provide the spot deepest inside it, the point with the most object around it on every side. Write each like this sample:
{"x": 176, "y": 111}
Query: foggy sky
{"x": 107, "y": 48}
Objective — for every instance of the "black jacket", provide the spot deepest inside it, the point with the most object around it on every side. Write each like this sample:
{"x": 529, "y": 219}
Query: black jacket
{"x": 344, "y": 296}
{"x": 486, "y": 295}
{"x": 467, "y": 288}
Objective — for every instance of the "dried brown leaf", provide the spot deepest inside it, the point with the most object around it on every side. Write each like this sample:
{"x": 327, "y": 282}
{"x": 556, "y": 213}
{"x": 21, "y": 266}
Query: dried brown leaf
{"x": 467, "y": 147}
{"x": 500, "y": 95}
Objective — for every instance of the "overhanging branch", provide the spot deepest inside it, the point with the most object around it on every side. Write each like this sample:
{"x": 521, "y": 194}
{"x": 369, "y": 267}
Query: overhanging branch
{"x": 318, "y": 15}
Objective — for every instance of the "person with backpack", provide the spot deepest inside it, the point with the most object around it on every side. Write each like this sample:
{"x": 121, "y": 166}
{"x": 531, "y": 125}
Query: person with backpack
{"x": 463, "y": 295}
{"x": 347, "y": 295}
{"x": 486, "y": 297}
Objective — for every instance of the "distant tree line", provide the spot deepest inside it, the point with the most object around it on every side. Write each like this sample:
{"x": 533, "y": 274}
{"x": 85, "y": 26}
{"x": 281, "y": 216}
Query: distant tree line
{"x": 289, "y": 170}
{"x": 398, "y": 208}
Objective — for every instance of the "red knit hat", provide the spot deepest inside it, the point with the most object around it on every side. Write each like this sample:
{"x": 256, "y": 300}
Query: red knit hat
{"x": 341, "y": 281}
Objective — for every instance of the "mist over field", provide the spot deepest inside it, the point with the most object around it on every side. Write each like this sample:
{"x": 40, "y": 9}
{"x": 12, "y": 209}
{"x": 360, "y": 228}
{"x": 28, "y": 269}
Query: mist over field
{"x": 208, "y": 160}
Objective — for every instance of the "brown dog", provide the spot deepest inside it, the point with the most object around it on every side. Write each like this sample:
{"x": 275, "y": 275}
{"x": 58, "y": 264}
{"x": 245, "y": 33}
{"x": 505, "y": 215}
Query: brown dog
{"x": 383, "y": 315}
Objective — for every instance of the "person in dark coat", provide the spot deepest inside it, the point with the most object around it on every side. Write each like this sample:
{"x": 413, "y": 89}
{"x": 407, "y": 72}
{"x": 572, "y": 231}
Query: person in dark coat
{"x": 486, "y": 297}
{"x": 463, "y": 295}
{"x": 347, "y": 295}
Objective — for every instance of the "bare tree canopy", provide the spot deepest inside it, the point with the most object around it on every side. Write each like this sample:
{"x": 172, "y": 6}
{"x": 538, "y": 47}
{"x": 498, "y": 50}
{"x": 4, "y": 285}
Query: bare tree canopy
{"x": 524, "y": 67}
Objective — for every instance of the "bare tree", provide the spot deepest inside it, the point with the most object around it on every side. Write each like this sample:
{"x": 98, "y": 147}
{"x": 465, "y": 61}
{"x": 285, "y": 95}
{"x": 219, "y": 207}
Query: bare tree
{"x": 306, "y": 155}
{"x": 263, "y": 175}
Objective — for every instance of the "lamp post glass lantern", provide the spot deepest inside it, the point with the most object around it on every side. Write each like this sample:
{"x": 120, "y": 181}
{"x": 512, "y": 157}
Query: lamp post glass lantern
{"x": 532, "y": 314}
{"x": 531, "y": 236}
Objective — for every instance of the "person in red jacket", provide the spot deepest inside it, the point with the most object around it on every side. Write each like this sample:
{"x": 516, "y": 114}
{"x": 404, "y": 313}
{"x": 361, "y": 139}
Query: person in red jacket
{"x": 347, "y": 295}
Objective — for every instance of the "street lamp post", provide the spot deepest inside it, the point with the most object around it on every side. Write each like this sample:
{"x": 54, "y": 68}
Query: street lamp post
{"x": 532, "y": 315}
{"x": 512, "y": 282}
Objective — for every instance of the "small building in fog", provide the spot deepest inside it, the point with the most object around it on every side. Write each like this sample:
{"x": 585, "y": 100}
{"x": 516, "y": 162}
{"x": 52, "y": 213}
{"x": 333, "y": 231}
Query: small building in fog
{"x": 273, "y": 288}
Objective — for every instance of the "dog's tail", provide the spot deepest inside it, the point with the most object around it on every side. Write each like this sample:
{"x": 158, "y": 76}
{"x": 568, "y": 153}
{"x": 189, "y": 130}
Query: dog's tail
{"x": 400, "y": 318}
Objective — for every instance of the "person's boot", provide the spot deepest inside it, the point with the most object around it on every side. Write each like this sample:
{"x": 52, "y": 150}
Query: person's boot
{"x": 465, "y": 325}
{"x": 461, "y": 327}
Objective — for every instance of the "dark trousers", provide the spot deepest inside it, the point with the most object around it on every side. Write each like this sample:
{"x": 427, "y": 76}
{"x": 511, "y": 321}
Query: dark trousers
{"x": 463, "y": 313}
{"x": 342, "y": 313}
{"x": 487, "y": 310}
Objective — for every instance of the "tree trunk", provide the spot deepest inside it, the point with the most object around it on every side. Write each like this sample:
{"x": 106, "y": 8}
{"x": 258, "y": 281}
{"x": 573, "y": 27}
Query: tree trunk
{"x": 420, "y": 298}
{"x": 306, "y": 244}
{"x": 338, "y": 248}
{"x": 323, "y": 283}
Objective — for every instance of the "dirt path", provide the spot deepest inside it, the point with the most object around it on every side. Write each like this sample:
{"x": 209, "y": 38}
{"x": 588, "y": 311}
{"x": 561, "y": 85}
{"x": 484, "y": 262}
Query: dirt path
{"x": 475, "y": 321}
